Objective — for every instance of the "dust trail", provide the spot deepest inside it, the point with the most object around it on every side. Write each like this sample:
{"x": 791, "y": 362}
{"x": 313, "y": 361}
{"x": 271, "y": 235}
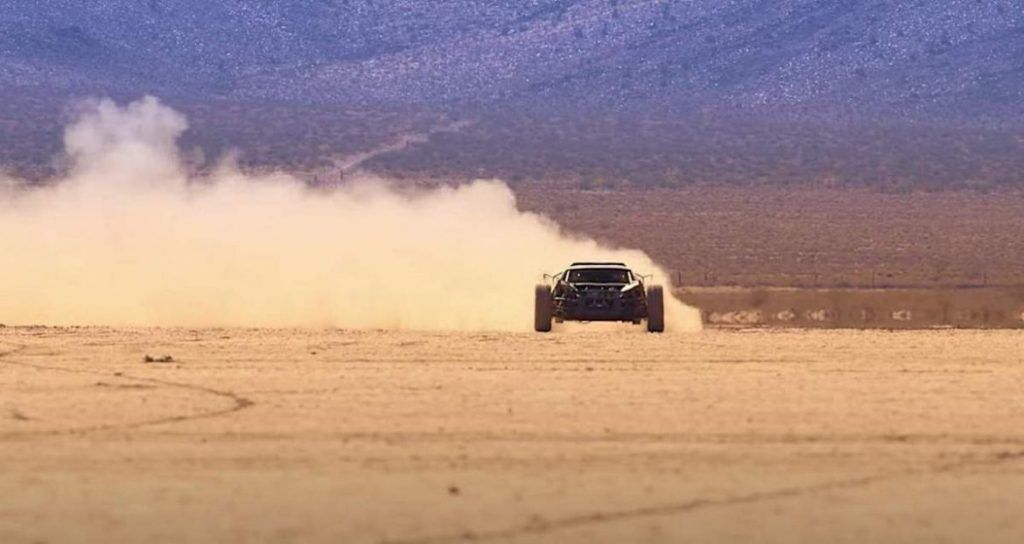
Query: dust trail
{"x": 129, "y": 239}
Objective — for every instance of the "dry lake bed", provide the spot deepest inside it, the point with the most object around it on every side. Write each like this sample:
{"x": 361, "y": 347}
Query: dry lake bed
{"x": 600, "y": 434}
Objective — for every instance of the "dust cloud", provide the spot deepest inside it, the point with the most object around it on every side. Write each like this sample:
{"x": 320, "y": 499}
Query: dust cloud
{"x": 129, "y": 237}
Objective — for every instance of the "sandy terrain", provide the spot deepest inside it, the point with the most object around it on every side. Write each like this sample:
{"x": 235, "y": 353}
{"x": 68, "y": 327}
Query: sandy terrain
{"x": 598, "y": 435}
{"x": 755, "y": 235}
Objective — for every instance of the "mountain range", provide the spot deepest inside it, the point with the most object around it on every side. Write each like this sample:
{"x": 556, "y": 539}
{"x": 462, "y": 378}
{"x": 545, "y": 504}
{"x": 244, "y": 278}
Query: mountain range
{"x": 945, "y": 57}
{"x": 925, "y": 91}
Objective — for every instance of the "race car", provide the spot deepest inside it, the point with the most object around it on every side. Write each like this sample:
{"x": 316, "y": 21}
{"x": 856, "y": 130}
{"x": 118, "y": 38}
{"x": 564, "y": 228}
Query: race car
{"x": 598, "y": 292}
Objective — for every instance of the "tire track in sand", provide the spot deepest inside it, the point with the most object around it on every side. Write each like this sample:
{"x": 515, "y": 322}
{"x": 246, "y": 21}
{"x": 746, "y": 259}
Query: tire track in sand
{"x": 238, "y": 402}
{"x": 537, "y": 525}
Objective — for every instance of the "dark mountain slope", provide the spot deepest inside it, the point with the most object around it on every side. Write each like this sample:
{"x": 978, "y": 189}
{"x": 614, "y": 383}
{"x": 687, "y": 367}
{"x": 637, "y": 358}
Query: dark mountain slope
{"x": 960, "y": 55}
{"x": 894, "y": 94}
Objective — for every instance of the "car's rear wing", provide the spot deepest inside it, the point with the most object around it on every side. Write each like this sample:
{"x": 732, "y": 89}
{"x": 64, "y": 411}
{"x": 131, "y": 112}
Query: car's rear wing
{"x": 551, "y": 277}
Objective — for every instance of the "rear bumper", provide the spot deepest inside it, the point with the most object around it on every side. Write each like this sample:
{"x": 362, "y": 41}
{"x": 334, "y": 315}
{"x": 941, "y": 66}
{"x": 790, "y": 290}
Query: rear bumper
{"x": 584, "y": 309}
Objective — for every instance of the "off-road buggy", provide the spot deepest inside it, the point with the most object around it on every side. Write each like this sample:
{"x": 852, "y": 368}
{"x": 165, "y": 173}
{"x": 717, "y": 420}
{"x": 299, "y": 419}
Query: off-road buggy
{"x": 598, "y": 292}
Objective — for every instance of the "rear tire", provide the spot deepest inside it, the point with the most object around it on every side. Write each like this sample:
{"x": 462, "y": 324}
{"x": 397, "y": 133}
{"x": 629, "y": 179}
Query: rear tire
{"x": 542, "y": 303}
{"x": 655, "y": 309}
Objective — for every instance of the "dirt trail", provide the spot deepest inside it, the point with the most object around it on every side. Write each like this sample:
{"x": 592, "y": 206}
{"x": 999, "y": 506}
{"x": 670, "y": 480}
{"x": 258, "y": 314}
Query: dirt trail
{"x": 592, "y": 434}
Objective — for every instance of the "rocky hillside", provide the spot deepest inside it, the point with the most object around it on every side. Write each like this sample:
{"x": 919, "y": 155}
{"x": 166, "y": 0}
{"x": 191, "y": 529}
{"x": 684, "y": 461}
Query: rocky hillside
{"x": 593, "y": 92}
{"x": 948, "y": 58}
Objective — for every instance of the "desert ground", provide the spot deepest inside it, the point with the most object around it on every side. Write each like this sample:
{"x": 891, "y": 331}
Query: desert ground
{"x": 803, "y": 236}
{"x": 593, "y": 434}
